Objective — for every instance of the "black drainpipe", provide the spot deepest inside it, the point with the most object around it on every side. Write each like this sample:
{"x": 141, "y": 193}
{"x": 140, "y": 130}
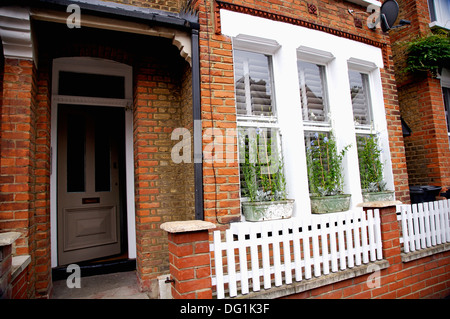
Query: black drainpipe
{"x": 196, "y": 115}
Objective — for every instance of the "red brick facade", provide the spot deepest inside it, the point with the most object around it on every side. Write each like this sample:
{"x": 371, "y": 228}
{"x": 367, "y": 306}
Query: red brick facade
{"x": 162, "y": 101}
{"x": 421, "y": 104}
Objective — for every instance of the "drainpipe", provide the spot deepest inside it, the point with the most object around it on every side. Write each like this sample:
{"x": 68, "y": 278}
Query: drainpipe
{"x": 196, "y": 114}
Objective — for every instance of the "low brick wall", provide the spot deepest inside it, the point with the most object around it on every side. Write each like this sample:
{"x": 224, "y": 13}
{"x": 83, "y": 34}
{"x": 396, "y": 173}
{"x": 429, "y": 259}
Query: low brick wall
{"x": 390, "y": 278}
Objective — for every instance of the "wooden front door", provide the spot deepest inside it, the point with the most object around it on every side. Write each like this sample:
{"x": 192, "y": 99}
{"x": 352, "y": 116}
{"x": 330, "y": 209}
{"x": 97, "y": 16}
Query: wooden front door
{"x": 88, "y": 182}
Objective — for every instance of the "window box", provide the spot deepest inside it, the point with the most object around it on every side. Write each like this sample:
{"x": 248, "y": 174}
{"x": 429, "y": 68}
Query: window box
{"x": 330, "y": 204}
{"x": 378, "y": 196}
{"x": 261, "y": 211}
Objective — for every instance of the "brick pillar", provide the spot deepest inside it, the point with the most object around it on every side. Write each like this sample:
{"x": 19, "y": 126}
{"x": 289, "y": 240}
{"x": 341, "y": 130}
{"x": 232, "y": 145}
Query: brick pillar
{"x": 18, "y": 159}
{"x": 6, "y": 241}
{"x": 190, "y": 259}
{"x": 390, "y": 230}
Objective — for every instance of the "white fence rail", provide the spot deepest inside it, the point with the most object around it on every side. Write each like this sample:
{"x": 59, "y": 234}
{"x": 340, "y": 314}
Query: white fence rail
{"x": 258, "y": 254}
{"x": 424, "y": 225}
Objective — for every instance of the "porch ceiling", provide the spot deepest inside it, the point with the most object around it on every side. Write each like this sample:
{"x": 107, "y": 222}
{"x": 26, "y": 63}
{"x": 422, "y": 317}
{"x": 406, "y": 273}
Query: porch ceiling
{"x": 110, "y": 16}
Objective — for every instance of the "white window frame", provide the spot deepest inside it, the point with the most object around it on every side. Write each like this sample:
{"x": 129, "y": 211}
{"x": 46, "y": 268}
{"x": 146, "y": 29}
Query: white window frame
{"x": 445, "y": 83}
{"x": 269, "y": 48}
{"x": 440, "y": 7}
{"x": 366, "y": 68}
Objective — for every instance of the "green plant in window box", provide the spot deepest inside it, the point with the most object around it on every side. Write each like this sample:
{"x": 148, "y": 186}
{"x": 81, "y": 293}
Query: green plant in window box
{"x": 264, "y": 183}
{"x": 429, "y": 54}
{"x": 325, "y": 174}
{"x": 371, "y": 170}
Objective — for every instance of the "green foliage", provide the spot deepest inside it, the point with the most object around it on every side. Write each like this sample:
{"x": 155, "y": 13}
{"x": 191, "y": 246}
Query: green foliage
{"x": 370, "y": 166}
{"x": 262, "y": 166}
{"x": 430, "y": 53}
{"x": 325, "y": 165}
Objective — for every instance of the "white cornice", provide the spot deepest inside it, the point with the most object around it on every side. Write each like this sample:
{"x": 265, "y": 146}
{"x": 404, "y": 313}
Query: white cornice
{"x": 366, "y": 3}
{"x": 15, "y": 32}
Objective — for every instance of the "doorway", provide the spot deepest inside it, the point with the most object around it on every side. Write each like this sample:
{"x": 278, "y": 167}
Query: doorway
{"x": 92, "y": 179}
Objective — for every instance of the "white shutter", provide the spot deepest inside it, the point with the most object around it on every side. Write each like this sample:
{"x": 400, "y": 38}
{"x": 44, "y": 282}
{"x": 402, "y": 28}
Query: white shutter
{"x": 312, "y": 91}
{"x": 253, "y": 83}
{"x": 359, "y": 90}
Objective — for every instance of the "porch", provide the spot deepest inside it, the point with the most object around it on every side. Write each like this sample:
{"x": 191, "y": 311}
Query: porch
{"x": 153, "y": 95}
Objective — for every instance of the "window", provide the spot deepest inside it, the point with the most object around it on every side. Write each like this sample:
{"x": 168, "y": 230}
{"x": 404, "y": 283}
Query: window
{"x": 360, "y": 94}
{"x": 253, "y": 80}
{"x": 258, "y": 132}
{"x": 312, "y": 92}
{"x": 446, "y": 93}
{"x": 314, "y": 103}
{"x": 439, "y": 13}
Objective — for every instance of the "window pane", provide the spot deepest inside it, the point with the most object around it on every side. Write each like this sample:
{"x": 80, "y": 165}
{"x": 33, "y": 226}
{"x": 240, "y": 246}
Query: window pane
{"x": 76, "y": 150}
{"x": 102, "y": 157}
{"x": 359, "y": 90}
{"x": 312, "y": 91}
{"x": 370, "y": 170}
{"x": 252, "y": 73}
{"x": 260, "y": 167}
{"x": 316, "y": 154}
{"x": 94, "y": 85}
{"x": 432, "y": 10}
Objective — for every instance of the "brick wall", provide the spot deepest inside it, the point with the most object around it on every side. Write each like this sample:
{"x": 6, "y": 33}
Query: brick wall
{"x": 17, "y": 161}
{"x": 164, "y": 5}
{"x": 421, "y": 104}
{"x": 396, "y": 276}
{"x": 164, "y": 189}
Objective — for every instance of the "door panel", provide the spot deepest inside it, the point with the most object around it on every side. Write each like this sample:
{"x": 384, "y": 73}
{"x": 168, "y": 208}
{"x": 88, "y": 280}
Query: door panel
{"x": 88, "y": 183}
{"x": 87, "y": 227}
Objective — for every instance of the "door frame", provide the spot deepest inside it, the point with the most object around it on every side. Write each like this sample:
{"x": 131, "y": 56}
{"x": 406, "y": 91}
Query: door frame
{"x": 93, "y": 66}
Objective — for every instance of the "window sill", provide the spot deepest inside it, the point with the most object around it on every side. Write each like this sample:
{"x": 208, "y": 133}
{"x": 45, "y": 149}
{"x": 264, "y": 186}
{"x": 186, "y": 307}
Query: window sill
{"x": 438, "y": 25}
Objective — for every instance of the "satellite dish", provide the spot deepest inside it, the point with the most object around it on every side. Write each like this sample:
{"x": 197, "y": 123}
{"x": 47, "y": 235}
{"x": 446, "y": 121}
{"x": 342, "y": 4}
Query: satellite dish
{"x": 388, "y": 14}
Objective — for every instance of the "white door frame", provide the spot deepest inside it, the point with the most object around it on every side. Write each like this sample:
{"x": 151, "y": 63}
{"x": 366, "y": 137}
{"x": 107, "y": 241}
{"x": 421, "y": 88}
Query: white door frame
{"x": 104, "y": 67}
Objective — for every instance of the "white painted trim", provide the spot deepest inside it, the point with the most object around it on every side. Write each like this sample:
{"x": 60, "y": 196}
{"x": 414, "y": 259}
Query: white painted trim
{"x": 312, "y": 55}
{"x": 366, "y": 3}
{"x": 93, "y": 66}
{"x": 15, "y": 32}
{"x": 445, "y": 78}
{"x": 257, "y": 44}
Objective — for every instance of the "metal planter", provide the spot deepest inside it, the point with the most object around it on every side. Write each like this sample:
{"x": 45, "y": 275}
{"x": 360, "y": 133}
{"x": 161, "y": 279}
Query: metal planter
{"x": 270, "y": 210}
{"x": 330, "y": 204}
{"x": 378, "y": 196}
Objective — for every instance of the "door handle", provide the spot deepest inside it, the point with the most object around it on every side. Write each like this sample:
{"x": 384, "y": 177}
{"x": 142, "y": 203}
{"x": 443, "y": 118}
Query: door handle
{"x": 91, "y": 200}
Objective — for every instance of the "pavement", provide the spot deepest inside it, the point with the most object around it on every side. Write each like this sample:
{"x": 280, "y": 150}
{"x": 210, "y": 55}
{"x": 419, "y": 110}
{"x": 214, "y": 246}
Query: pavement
{"x": 121, "y": 285}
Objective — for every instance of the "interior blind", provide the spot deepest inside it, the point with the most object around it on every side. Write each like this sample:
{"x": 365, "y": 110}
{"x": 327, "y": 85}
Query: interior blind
{"x": 253, "y": 82}
{"x": 359, "y": 90}
{"x": 312, "y": 91}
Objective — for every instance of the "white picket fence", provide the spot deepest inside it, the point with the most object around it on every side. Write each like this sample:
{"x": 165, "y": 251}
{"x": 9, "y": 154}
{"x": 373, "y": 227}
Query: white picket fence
{"x": 258, "y": 254}
{"x": 424, "y": 225}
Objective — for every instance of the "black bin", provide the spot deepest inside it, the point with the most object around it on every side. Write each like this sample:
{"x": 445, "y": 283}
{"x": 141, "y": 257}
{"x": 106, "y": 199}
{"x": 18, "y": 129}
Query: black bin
{"x": 446, "y": 194}
{"x": 422, "y": 194}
